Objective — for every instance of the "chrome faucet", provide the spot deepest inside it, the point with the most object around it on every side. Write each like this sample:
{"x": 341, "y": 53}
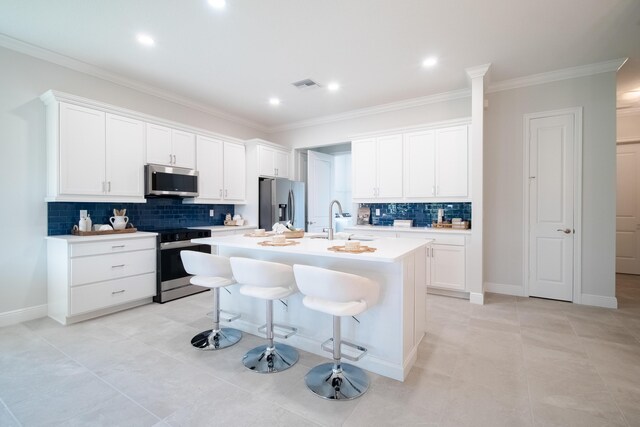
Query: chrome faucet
{"x": 330, "y": 229}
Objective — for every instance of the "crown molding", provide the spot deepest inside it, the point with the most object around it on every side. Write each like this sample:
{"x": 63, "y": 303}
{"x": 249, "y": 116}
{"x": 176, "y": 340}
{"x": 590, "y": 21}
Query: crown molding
{"x": 86, "y": 68}
{"x": 377, "y": 109}
{"x": 621, "y": 112}
{"x": 557, "y": 75}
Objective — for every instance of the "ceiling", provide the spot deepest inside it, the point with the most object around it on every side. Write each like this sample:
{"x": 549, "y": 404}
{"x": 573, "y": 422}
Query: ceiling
{"x": 235, "y": 59}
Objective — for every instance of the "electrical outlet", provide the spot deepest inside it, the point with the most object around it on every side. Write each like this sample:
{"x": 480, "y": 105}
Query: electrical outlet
{"x": 211, "y": 212}
{"x": 377, "y": 212}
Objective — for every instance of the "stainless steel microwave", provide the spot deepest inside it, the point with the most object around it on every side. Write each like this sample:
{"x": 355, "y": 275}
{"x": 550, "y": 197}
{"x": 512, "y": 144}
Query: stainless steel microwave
{"x": 170, "y": 181}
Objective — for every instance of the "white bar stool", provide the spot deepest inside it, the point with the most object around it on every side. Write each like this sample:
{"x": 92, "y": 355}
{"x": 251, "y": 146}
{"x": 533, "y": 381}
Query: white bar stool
{"x": 214, "y": 272}
{"x": 268, "y": 281}
{"x": 339, "y": 294}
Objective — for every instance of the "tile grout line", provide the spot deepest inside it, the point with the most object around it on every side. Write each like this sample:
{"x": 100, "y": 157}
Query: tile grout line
{"x": 526, "y": 373}
{"x": 10, "y": 412}
{"x": 102, "y": 379}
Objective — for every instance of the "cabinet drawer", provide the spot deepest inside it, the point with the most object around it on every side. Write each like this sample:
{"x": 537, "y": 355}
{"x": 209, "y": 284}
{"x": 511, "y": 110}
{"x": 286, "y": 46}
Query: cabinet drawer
{"x": 439, "y": 238}
{"x": 111, "y": 266}
{"x": 114, "y": 292}
{"x": 112, "y": 246}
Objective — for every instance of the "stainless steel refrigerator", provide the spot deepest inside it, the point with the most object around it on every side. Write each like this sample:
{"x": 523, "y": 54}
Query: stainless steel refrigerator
{"x": 281, "y": 200}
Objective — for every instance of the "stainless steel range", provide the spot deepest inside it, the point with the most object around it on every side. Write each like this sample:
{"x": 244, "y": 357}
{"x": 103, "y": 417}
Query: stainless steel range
{"x": 173, "y": 280}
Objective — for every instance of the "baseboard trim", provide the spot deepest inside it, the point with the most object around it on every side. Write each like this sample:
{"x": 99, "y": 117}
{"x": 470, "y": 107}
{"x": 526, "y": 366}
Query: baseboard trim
{"x": 476, "y": 298}
{"x": 599, "y": 301}
{"x": 501, "y": 288}
{"x": 23, "y": 315}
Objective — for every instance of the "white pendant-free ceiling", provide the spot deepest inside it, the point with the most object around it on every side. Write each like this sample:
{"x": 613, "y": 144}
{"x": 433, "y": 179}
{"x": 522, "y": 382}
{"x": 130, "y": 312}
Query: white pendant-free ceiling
{"x": 237, "y": 57}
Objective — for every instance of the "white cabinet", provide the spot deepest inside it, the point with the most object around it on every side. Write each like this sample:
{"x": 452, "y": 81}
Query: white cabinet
{"x": 273, "y": 162}
{"x": 436, "y": 163}
{"x": 446, "y": 267}
{"x": 234, "y": 172}
{"x": 93, "y": 276}
{"x": 124, "y": 156}
{"x": 221, "y": 168}
{"x": 377, "y": 167}
{"x": 170, "y": 147}
{"x": 93, "y": 155}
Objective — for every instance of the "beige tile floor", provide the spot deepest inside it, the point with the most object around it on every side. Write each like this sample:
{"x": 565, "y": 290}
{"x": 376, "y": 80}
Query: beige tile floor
{"x": 514, "y": 361}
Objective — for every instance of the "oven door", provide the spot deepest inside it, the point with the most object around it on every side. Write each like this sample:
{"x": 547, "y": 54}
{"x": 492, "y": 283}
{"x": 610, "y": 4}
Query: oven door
{"x": 172, "y": 273}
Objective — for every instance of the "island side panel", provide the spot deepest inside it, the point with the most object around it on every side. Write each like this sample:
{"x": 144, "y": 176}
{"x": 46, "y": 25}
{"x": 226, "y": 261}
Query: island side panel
{"x": 380, "y": 329}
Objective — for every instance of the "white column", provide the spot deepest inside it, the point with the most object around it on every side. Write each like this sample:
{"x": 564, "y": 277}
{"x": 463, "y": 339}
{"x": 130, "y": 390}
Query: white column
{"x": 475, "y": 273}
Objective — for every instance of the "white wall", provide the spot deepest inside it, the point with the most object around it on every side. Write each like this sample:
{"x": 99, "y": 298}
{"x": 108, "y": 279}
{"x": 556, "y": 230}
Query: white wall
{"x": 23, "y": 217}
{"x": 628, "y": 126}
{"x": 332, "y": 133}
{"x": 503, "y": 177}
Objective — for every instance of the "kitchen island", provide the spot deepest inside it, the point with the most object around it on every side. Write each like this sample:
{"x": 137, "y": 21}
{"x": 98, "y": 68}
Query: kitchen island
{"x": 391, "y": 330}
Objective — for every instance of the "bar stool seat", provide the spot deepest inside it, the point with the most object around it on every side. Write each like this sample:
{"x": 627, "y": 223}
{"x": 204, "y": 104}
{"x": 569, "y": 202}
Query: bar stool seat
{"x": 338, "y": 294}
{"x": 268, "y": 281}
{"x": 214, "y": 272}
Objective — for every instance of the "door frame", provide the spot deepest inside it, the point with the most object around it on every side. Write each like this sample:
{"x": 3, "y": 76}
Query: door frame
{"x": 577, "y": 197}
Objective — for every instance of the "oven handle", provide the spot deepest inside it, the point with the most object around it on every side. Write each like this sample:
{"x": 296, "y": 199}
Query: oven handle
{"x": 180, "y": 244}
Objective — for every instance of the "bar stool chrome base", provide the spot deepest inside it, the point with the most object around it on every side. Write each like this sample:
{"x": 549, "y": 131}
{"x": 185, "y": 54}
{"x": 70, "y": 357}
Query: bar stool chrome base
{"x": 267, "y": 361}
{"x": 208, "y": 340}
{"x": 346, "y": 383}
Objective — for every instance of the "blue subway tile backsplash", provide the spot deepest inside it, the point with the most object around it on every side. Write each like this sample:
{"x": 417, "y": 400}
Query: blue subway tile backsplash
{"x": 422, "y": 214}
{"x": 157, "y": 213}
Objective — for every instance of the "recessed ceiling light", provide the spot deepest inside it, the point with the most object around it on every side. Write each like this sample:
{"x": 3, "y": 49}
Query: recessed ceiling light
{"x": 430, "y": 62}
{"x": 333, "y": 86}
{"x": 218, "y": 4}
{"x": 274, "y": 101}
{"x": 145, "y": 39}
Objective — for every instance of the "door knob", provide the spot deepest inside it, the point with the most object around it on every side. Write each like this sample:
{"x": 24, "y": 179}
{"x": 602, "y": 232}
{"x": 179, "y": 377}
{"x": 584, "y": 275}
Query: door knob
{"x": 565, "y": 230}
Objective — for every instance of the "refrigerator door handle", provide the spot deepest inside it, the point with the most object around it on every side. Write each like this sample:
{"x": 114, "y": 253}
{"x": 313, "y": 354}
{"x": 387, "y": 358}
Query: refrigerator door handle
{"x": 292, "y": 201}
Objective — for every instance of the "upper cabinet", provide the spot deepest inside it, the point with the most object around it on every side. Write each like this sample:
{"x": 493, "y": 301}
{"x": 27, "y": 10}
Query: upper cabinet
{"x": 423, "y": 165}
{"x": 222, "y": 171}
{"x": 273, "y": 162}
{"x": 377, "y": 167}
{"x": 93, "y": 155}
{"x": 170, "y": 147}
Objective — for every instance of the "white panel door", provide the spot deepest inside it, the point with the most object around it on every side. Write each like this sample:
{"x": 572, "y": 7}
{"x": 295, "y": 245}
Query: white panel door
{"x": 363, "y": 169}
{"x": 452, "y": 162}
{"x": 235, "y": 169}
{"x": 551, "y": 147}
{"x": 125, "y": 156}
{"x": 628, "y": 209}
{"x": 184, "y": 149}
{"x": 82, "y": 150}
{"x": 210, "y": 168}
{"x": 389, "y": 166}
{"x": 159, "y": 145}
{"x": 319, "y": 190}
{"x": 419, "y": 164}
{"x": 266, "y": 161}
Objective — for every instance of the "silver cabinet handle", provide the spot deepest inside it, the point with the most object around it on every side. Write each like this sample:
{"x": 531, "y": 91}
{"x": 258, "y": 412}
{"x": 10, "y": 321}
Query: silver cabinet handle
{"x": 170, "y": 159}
{"x": 221, "y": 192}
{"x": 175, "y": 159}
{"x": 117, "y": 266}
{"x": 118, "y": 292}
{"x": 103, "y": 189}
{"x": 117, "y": 246}
{"x": 565, "y": 230}
{"x": 109, "y": 186}
{"x": 225, "y": 194}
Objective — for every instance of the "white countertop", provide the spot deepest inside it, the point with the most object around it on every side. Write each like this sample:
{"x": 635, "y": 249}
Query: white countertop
{"x": 364, "y": 228}
{"x": 388, "y": 249}
{"x": 217, "y": 228}
{"x": 106, "y": 237}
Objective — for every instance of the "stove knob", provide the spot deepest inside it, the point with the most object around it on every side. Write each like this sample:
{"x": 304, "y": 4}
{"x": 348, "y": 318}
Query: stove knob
{"x": 177, "y": 237}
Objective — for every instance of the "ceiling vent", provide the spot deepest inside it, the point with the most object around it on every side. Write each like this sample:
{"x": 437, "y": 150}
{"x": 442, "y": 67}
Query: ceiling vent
{"x": 306, "y": 84}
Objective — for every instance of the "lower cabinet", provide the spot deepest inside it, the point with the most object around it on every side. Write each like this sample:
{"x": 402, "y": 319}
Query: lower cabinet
{"x": 93, "y": 276}
{"x": 446, "y": 266}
